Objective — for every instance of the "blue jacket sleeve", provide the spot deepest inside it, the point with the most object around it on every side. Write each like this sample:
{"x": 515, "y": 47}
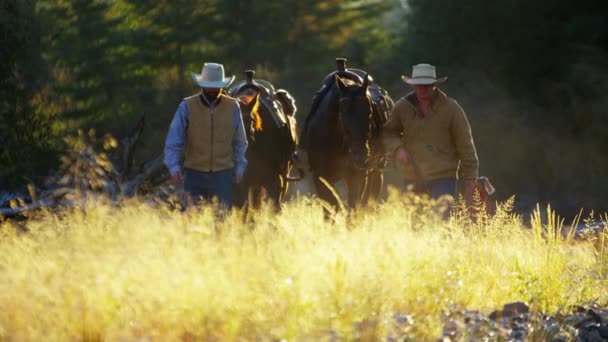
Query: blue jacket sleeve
{"x": 176, "y": 138}
{"x": 239, "y": 143}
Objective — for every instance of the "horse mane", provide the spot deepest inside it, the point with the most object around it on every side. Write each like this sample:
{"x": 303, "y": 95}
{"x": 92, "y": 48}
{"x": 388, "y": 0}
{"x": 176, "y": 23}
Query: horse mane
{"x": 329, "y": 89}
{"x": 256, "y": 118}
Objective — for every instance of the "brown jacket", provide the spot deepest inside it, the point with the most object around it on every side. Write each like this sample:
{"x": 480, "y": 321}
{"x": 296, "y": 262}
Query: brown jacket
{"x": 437, "y": 143}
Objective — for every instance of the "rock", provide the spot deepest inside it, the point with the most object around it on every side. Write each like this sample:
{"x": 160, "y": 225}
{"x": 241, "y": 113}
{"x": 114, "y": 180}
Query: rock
{"x": 595, "y": 316}
{"x": 603, "y": 331}
{"x": 577, "y": 309}
{"x": 515, "y": 322}
{"x": 514, "y": 309}
{"x": 590, "y": 336}
{"x": 552, "y": 330}
{"x": 579, "y": 321}
{"x": 403, "y": 320}
{"x": 590, "y": 326}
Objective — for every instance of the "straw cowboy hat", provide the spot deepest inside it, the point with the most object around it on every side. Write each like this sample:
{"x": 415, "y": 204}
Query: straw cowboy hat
{"x": 423, "y": 74}
{"x": 212, "y": 76}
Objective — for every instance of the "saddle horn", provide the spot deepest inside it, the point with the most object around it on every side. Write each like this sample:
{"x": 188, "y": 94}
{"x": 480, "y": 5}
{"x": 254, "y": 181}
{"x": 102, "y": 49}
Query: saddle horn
{"x": 249, "y": 75}
{"x": 341, "y": 64}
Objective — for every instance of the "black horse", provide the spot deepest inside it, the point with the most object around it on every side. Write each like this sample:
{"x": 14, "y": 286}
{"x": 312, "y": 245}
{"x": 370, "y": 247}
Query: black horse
{"x": 342, "y": 135}
{"x": 269, "y": 119}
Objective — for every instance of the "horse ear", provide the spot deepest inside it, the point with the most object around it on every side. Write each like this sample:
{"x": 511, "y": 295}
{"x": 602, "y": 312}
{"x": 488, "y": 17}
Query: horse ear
{"x": 341, "y": 85}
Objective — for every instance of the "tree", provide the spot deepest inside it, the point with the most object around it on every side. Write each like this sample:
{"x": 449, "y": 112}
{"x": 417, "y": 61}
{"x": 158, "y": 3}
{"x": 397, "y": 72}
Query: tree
{"x": 295, "y": 41}
{"x": 523, "y": 44}
{"x": 96, "y": 71}
{"x": 179, "y": 34}
{"x": 26, "y": 132}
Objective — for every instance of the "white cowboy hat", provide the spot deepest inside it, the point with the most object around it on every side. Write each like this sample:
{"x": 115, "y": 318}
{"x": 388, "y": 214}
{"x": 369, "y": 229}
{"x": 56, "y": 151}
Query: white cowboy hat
{"x": 212, "y": 76}
{"x": 423, "y": 74}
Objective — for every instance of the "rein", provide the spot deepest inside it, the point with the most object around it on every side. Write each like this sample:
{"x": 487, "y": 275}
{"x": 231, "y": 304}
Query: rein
{"x": 378, "y": 162}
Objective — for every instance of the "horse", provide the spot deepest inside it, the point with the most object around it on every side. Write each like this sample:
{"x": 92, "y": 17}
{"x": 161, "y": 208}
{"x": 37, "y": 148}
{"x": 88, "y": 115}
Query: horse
{"x": 270, "y": 125}
{"x": 341, "y": 136}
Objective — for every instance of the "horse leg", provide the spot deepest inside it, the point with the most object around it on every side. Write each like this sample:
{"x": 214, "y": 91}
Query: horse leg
{"x": 375, "y": 179}
{"x": 284, "y": 184}
{"x": 356, "y": 184}
{"x": 259, "y": 194}
{"x": 254, "y": 196}
{"x": 273, "y": 190}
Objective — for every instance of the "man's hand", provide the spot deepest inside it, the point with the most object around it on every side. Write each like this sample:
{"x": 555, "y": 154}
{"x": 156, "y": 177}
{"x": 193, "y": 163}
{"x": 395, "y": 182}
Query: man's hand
{"x": 238, "y": 178}
{"x": 402, "y": 156}
{"x": 177, "y": 178}
{"x": 469, "y": 190}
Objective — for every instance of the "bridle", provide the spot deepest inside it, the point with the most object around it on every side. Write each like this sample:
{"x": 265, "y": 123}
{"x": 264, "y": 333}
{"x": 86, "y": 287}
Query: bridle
{"x": 372, "y": 163}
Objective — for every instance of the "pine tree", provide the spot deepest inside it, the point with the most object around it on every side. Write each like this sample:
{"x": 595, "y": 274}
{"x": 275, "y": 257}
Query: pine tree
{"x": 96, "y": 71}
{"x": 181, "y": 35}
{"x": 26, "y": 133}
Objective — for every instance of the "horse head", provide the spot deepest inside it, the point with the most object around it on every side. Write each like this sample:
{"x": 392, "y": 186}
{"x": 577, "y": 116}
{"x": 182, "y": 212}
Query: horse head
{"x": 248, "y": 94}
{"x": 354, "y": 118}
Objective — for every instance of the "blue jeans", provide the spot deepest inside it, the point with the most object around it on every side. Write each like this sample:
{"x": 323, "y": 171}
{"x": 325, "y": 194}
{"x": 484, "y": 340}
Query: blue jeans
{"x": 437, "y": 188}
{"x": 207, "y": 185}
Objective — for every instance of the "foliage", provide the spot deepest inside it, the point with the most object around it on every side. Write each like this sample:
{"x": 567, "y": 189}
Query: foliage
{"x": 511, "y": 40}
{"x": 133, "y": 271}
{"x": 26, "y": 126}
{"x": 175, "y": 36}
{"x": 87, "y": 166}
{"x": 96, "y": 71}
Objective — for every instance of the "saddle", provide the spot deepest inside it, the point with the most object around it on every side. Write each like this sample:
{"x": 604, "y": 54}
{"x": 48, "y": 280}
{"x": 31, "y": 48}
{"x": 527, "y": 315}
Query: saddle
{"x": 279, "y": 103}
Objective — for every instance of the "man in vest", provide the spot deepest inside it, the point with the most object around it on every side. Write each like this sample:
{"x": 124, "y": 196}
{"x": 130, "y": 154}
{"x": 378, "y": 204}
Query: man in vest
{"x": 429, "y": 134}
{"x": 207, "y": 133}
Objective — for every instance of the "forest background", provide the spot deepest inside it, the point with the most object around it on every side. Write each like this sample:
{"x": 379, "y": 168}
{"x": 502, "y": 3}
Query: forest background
{"x": 531, "y": 75}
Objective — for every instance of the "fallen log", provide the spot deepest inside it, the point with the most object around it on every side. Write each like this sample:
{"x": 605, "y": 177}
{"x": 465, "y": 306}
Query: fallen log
{"x": 87, "y": 170}
{"x": 40, "y": 204}
{"x": 151, "y": 172}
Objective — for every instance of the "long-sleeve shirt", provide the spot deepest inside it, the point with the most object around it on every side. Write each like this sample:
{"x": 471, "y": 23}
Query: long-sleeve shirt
{"x": 437, "y": 142}
{"x": 176, "y": 139}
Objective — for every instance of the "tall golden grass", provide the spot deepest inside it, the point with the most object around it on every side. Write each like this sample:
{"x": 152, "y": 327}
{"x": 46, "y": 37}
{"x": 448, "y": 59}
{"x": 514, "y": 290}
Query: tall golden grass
{"x": 136, "y": 272}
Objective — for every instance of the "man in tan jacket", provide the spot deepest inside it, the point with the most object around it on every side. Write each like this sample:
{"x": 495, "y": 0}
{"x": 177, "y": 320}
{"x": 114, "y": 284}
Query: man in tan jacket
{"x": 430, "y": 136}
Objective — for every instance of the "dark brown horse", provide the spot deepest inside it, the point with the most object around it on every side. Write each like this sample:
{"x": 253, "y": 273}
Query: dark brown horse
{"x": 269, "y": 119}
{"x": 342, "y": 135}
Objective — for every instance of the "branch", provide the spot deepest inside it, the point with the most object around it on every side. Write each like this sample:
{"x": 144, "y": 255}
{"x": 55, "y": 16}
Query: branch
{"x": 149, "y": 170}
{"x": 128, "y": 147}
{"x": 9, "y": 212}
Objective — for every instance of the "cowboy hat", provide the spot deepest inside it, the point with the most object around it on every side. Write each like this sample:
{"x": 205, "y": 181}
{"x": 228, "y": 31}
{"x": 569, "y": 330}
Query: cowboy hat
{"x": 423, "y": 74}
{"x": 212, "y": 76}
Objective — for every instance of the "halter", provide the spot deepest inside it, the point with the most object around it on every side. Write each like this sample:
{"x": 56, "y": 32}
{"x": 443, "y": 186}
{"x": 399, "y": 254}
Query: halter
{"x": 345, "y": 133}
{"x": 372, "y": 163}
